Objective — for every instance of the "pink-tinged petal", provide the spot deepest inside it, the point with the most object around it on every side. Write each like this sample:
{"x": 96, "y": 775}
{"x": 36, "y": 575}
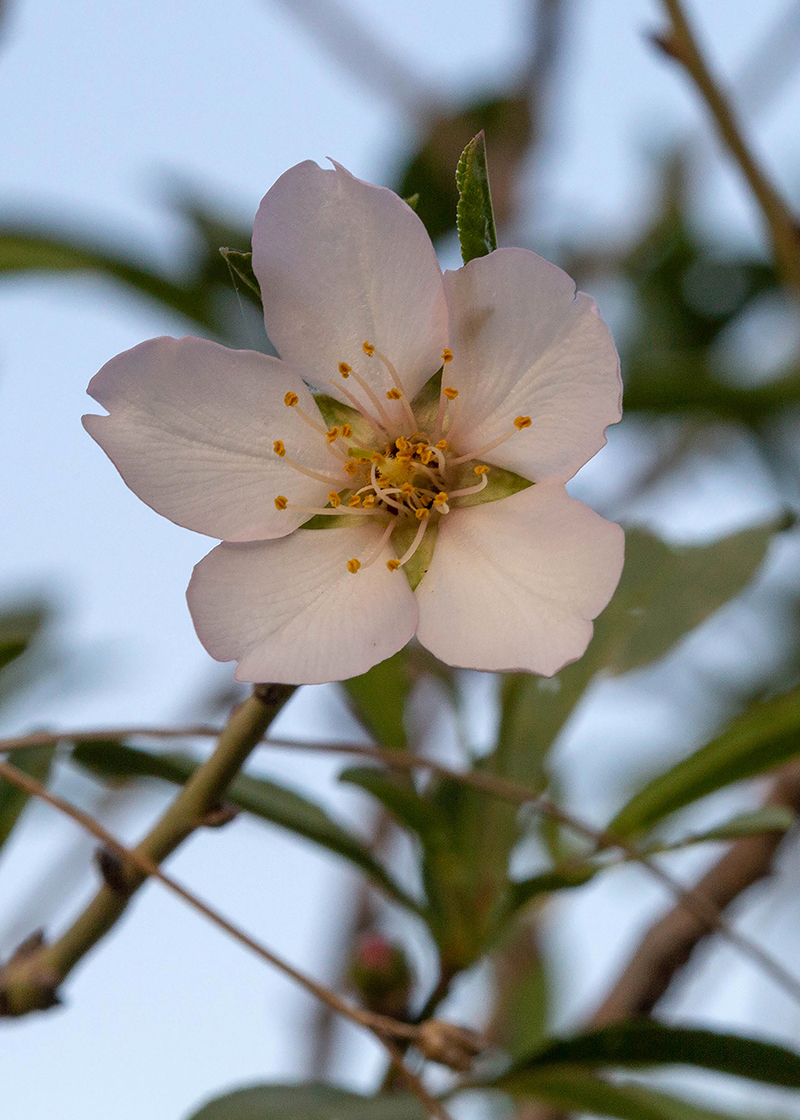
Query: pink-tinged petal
{"x": 290, "y": 611}
{"x": 525, "y": 344}
{"x": 513, "y": 584}
{"x": 341, "y": 262}
{"x": 191, "y": 428}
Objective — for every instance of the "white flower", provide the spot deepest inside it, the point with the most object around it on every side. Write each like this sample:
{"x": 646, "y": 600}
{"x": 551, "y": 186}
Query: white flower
{"x": 234, "y": 444}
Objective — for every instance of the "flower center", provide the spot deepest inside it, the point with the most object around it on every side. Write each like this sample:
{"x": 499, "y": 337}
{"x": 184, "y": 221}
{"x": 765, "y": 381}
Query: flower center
{"x": 403, "y": 479}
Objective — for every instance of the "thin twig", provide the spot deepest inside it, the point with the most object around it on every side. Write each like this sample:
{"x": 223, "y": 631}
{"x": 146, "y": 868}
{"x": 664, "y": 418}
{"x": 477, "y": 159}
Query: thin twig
{"x": 681, "y": 44}
{"x": 382, "y": 1026}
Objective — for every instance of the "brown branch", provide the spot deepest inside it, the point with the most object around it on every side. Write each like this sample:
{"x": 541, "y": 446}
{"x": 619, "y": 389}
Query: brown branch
{"x": 118, "y": 857}
{"x": 669, "y": 944}
{"x": 681, "y": 44}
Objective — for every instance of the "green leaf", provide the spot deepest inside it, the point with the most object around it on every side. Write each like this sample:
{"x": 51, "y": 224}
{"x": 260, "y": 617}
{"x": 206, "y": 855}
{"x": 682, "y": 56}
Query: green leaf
{"x": 645, "y": 1042}
{"x": 309, "y": 1102}
{"x": 474, "y": 214}
{"x": 35, "y": 761}
{"x": 765, "y": 735}
{"x": 262, "y": 798}
{"x": 772, "y": 818}
{"x": 17, "y": 630}
{"x": 576, "y": 1089}
{"x": 378, "y": 699}
{"x": 242, "y": 265}
{"x": 523, "y": 891}
{"x": 398, "y": 796}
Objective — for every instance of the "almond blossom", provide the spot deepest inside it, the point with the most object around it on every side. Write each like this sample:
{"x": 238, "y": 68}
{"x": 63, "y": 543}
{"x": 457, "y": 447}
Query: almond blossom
{"x": 419, "y": 488}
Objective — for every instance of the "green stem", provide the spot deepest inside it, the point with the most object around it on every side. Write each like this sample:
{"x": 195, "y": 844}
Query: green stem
{"x": 682, "y": 45}
{"x": 30, "y": 980}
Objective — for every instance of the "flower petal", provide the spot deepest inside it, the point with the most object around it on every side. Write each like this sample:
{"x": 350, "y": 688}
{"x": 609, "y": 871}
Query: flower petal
{"x": 289, "y": 610}
{"x": 341, "y": 262}
{"x": 191, "y": 426}
{"x": 513, "y": 584}
{"x": 525, "y": 344}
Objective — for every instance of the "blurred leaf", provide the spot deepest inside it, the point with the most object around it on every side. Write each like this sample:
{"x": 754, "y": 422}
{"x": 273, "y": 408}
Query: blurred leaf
{"x": 35, "y": 761}
{"x": 242, "y": 265}
{"x": 575, "y": 1089}
{"x": 522, "y": 892}
{"x": 309, "y": 1102}
{"x": 397, "y": 795}
{"x": 645, "y": 1042}
{"x": 262, "y": 798}
{"x": 429, "y": 171}
{"x": 766, "y": 734}
{"x": 474, "y": 215}
{"x": 771, "y": 818}
{"x": 521, "y": 1013}
{"x": 17, "y": 629}
{"x": 378, "y": 698}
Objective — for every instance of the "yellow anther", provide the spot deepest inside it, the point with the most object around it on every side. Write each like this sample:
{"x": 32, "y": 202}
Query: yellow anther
{"x": 278, "y": 447}
{"x": 481, "y": 469}
{"x": 405, "y": 457}
{"x": 420, "y": 448}
{"x": 368, "y": 348}
{"x": 334, "y": 499}
{"x": 402, "y": 444}
{"x": 351, "y": 468}
{"x": 355, "y": 501}
{"x": 353, "y": 565}
{"x": 407, "y": 489}
{"x": 447, "y": 355}
{"x": 376, "y": 458}
{"x": 368, "y": 502}
{"x": 442, "y": 445}
{"x": 281, "y": 502}
{"x": 522, "y": 422}
{"x": 426, "y": 456}
{"x": 440, "y": 499}
{"x": 450, "y": 393}
{"x": 347, "y": 431}
{"x": 290, "y": 400}
{"x": 421, "y": 514}
{"x": 383, "y": 480}
{"x": 344, "y": 369}
{"x": 393, "y": 395}
{"x": 392, "y": 565}
{"x": 332, "y": 435}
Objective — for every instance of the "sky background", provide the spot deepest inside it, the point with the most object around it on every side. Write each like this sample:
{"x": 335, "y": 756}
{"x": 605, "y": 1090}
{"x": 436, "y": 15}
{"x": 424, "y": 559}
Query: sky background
{"x": 106, "y": 108}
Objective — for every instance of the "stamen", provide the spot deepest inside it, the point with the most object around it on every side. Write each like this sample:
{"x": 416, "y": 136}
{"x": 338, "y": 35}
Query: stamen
{"x": 326, "y": 511}
{"x": 447, "y": 355}
{"x": 440, "y": 499}
{"x": 417, "y": 541}
{"x": 379, "y": 547}
{"x": 347, "y": 431}
{"x": 422, "y": 514}
{"x": 383, "y": 416}
{"x": 392, "y": 565}
{"x": 369, "y": 501}
{"x": 309, "y": 473}
{"x": 353, "y": 565}
{"x": 354, "y": 502}
{"x": 279, "y": 448}
{"x": 520, "y": 423}
{"x": 484, "y": 482}
{"x": 334, "y": 499}
{"x": 351, "y": 468}
{"x": 398, "y": 393}
{"x": 281, "y": 502}
{"x": 448, "y": 394}
{"x": 290, "y": 400}
{"x": 331, "y": 435}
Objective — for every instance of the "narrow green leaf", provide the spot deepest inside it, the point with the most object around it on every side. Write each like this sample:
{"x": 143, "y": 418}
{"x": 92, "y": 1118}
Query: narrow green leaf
{"x": 397, "y": 795}
{"x": 474, "y": 214}
{"x": 36, "y": 762}
{"x": 523, "y": 891}
{"x": 17, "y": 630}
{"x": 765, "y": 735}
{"x": 262, "y": 798}
{"x": 573, "y": 1088}
{"x": 309, "y": 1102}
{"x": 645, "y": 1042}
{"x": 378, "y": 698}
{"x": 772, "y": 818}
{"x": 413, "y": 201}
{"x": 242, "y": 265}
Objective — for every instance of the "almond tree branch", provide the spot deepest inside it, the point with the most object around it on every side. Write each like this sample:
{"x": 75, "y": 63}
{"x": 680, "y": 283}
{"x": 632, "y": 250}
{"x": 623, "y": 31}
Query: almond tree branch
{"x": 383, "y": 1027}
{"x": 681, "y": 44}
{"x": 31, "y": 983}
